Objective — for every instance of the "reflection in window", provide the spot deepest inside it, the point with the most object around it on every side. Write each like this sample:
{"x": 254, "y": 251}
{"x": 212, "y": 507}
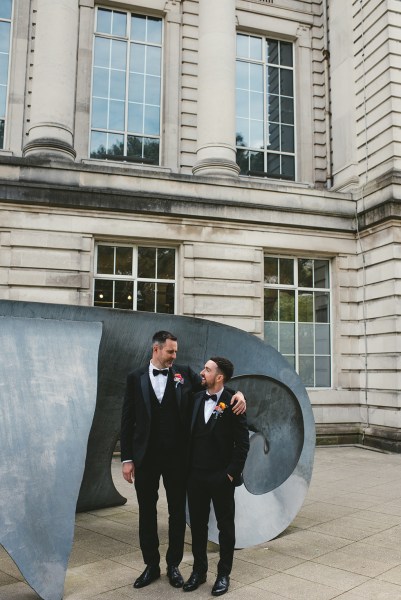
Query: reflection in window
{"x": 297, "y": 315}
{"x": 5, "y": 41}
{"x": 135, "y": 278}
{"x": 126, "y": 87}
{"x": 265, "y": 107}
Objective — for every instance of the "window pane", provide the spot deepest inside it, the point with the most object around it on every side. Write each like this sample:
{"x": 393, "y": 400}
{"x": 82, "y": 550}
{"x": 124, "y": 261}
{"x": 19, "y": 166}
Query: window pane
{"x": 271, "y": 305}
{"x": 287, "y": 338}
{"x": 272, "y": 80}
{"x": 135, "y": 117}
{"x": 152, "y": 90}
{"x": 322, "y": 339}
{"x": 134, "y": 147}
{"x": 1, "y": 134}
{"x": 165, "y": 298}
{"x": 306, "y": 338}
{"x": 116, "y": 115}
{"x": 305, "y": 272}
{"x": 153, "y": 61}
{"x": 152, "y": 120}
{"x": 5, "y": 37}
{"x": 323, "y": 371}
{"x": 103, "y": 24}
{"x": 243, "y": 161}
{"x": 123, "y": 261}
{"x": 287, "y": 138}
{"x": 119, "y": 24}
{"x": 124, "y": 294}
{"x": 117, "y": 84}
{"x": 5, "y": 9}
{"x": 103, "y": 293}
{"x": 321, "y": 273}
{"x": 138, "y": 28}
{"x": 287, "y": 110}
{"x": 288, "y": 167}
{"x": 272, "y": 51}
{"x": 118, "y": 55}
{"x": 305, "y": 307}
{"x": 137, "y": 58}
{"x": 105, "y": 259}
{"x": 242, "y": 75}
{"x": 255, "y": 48}
{"x": 243, "y": 46}
{"x": 286, "y": 87}
{"x": 287, "y": 305}
{"x": 274, "y": 138}
{"x": 274, "y": 108}
{"x": 306, "y": 369}
{"x": 286, "y": 271}
{"x": 99, "y": 113}
{"x": 154, "y": 30}
{"x": 146, "y": 296}
{"x": 3, "y": 96}
{"x": 147, "y": 263}
{"x": 151, "y": 148}
{"x": 271, "y": 334}
{"x": 102, "y": 52}
{"x": 4, "y": 69}
{"x": 321, "y": 307}
{"x": 115, "y": 145}
{"x": 98, "y": 144}
{"x": 165, "y": 263}
{"x": 256, "y": 134}
{"x": 271, "y": 269}
{"x": 256, "y": 162}
{"x": 286, "y": 54}
{"x": 100, "y": 82}
{"x": 273, "y": 164}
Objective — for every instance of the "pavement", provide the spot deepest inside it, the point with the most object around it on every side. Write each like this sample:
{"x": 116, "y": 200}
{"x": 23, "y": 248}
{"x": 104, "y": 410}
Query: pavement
{"x": 344, "y": 543}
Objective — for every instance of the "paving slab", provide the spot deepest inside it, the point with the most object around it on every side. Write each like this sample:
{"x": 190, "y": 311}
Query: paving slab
{"x": 344, "y": 544}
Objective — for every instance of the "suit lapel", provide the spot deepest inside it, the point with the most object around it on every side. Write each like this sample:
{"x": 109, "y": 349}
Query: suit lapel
{"x": 197, "y": 403}
{"x": 177, "y": 390}
{"x": 145, "y": 383}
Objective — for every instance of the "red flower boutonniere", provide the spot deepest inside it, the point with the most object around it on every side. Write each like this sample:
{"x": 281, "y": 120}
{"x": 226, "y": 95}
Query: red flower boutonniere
{"x": 178, "y": 379}
{"x": 219, "y": 409}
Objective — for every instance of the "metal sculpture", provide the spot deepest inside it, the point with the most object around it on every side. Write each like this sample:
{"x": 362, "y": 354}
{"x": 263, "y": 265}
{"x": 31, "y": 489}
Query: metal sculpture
{"x": 279, "y": 467}
{"x": 45, "y": 418}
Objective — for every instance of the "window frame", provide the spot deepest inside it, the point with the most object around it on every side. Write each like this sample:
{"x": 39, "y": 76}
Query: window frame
{"x": 143, "y": 161}
{"x": 297, "y": 289}
{"x": 265, "y": 64}
{"x": 6, "y": 124}
{"x": 134, "y": 276}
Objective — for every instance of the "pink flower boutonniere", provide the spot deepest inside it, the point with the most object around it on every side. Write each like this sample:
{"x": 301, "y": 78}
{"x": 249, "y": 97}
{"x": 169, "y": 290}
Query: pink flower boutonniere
{"x": 178, "y": 379}
{"x": 219, "y": 409}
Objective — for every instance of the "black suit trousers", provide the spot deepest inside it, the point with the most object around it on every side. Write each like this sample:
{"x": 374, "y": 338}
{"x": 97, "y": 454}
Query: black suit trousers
{"x": 169, "y": 466}
{"x": 205, "y": 487}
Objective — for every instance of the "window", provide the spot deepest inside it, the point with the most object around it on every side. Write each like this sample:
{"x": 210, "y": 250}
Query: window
{"x": 135, "y": 278}
{"x": 5, "y": 41}
{"x": 126, "y": 87}
{"x": 265, "y": 107}
{"x": 297, "y": 315}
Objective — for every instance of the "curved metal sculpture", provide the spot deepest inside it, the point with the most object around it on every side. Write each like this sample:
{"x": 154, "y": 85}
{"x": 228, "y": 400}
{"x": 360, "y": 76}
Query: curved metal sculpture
{"x": 279, "y": 466}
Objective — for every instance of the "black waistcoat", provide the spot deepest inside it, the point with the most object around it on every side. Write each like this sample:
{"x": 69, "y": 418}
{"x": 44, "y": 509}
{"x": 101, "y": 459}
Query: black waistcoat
{"x": 166, "y": 430}
{"x": 203, "y": 449}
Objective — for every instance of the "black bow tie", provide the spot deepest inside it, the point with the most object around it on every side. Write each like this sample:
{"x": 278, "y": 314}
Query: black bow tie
{"x": 211, "y": 397}
{"x": 157, "y": 372}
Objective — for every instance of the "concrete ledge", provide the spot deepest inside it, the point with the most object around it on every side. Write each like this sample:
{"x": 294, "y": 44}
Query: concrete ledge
{"x": 374, "y": 436}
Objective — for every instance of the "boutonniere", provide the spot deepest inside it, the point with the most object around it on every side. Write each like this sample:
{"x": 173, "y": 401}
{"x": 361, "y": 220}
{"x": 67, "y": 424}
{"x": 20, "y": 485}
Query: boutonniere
{"x": 178, "y": 379}
{"x": 219, "y": 409}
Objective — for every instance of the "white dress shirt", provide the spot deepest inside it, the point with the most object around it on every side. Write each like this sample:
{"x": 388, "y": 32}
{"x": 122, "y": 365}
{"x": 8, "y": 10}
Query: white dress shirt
{"x": 210, "y": 405}
{"x": 158, "y": 383}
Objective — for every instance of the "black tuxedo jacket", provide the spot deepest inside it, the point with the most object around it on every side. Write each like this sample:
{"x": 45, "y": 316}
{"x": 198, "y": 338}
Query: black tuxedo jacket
{"x": 136, "y": 412}
{"x": 229, "y": 435}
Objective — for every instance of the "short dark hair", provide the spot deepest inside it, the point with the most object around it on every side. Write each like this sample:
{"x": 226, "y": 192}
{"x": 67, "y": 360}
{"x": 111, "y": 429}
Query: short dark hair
{"x": 225, "y": 367}
{"x": 160, "y": 337}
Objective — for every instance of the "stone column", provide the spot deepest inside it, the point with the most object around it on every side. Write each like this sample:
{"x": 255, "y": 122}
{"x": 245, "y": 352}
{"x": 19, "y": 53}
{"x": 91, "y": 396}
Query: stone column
{"x": 50, "y": 131}
{"x": 216, "y": 89}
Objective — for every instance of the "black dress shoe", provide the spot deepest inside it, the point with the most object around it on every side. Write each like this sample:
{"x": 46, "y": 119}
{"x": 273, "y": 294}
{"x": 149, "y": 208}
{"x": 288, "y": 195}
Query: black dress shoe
{"x": 151, "y": 573}
{"x": 194, "y": 581}
{"x": 221, "y": 585}
{"x": 175, "y": 577}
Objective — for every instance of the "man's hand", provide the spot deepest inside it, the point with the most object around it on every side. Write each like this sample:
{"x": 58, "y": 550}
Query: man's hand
{"x": 129, "y": 471}
{"x": 240, "y": 406}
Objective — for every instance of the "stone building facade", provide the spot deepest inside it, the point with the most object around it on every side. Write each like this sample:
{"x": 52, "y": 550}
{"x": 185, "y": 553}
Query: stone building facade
{"x": 235, "y": 160}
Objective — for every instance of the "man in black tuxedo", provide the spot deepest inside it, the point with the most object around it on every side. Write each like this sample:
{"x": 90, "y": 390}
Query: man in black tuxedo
{"x": 154, "y": 437}
{"x": 219, "y": 444}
